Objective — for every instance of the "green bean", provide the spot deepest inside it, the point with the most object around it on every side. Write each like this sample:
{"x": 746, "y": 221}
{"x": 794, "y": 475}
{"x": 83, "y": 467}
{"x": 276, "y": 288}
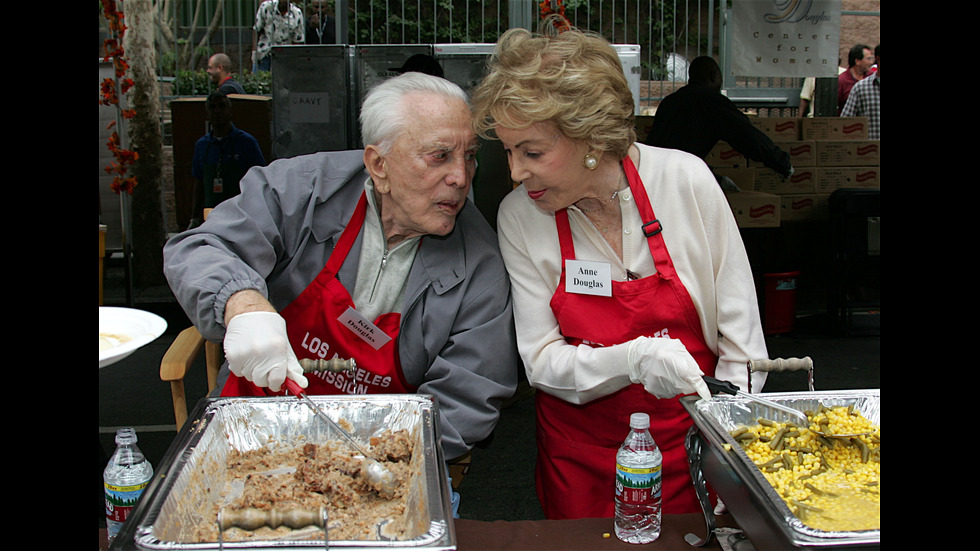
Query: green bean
{"x": 810, "y": 508}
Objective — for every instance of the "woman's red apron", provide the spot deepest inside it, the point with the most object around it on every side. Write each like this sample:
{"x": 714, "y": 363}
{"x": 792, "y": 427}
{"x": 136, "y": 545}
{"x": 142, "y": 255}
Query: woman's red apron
{"x": 315, "y": 330}
{"x": 577, "y": 444}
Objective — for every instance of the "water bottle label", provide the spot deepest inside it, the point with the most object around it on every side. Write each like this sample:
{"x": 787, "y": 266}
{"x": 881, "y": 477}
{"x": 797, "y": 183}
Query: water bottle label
{"x": 637, "y": 486}
{"x": 120, "y": 500}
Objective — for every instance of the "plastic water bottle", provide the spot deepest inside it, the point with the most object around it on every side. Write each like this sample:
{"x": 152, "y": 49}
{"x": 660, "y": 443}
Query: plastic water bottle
{"x": 638, "y": 483}
{"x": 125, "y": 478}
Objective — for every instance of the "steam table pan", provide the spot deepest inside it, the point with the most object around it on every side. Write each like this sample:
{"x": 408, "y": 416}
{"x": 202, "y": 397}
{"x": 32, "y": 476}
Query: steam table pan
{"x": 185, "y": 484}
{"x": 750, "y": 498}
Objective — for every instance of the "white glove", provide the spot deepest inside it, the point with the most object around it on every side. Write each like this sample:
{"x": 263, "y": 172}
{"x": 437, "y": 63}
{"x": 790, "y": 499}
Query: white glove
{"x": 665, "y": 368}
{"x": 255, "y": 56}
{"x": 258, "y": 349}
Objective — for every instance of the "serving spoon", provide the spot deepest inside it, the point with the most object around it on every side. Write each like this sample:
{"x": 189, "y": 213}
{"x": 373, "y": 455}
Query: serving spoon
{"x": 376, "y": 474}
{"x": 802, "y": 420}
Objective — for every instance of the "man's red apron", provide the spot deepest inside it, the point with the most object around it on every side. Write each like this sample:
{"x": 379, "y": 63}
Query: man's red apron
{"x": 577, "y": 444}
{"x": 315, "y": 331}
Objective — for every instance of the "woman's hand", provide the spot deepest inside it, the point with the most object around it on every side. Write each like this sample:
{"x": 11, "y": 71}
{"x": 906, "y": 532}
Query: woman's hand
{"x": 665, "y": 368}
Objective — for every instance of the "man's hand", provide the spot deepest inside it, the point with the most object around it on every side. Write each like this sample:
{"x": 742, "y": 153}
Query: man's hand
{"x": 256, "y": 343}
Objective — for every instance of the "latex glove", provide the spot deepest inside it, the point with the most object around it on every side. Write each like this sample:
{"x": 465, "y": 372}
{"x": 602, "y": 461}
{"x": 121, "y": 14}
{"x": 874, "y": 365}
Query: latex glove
{"x": 665, "y": 368}
{"x": 258, "y": 349}
{"x": 255, "y": 56}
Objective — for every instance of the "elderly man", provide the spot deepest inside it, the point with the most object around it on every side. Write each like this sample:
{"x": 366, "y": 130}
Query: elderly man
{"x": 219, "y": 70}
{"x": 374, "y": 255}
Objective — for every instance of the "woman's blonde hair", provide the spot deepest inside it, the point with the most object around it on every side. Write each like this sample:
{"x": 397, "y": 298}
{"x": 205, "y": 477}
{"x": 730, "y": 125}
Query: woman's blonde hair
{"x": 571, "y": 78}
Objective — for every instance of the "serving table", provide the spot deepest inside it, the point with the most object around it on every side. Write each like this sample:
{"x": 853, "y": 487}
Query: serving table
{"x": 593, "y": 534}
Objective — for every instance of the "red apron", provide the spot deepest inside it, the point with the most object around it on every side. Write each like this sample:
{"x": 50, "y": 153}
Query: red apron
{"x": 577, "y": 444}
{"x": 315, "y": 331}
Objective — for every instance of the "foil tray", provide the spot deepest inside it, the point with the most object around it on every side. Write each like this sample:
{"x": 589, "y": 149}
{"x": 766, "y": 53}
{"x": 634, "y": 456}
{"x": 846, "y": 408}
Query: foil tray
{"x": 184, "y": 483}
{"x": 749, "y": 497}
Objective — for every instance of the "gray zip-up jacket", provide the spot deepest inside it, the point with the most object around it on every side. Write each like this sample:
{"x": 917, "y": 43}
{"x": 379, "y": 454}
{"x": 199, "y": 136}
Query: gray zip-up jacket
{"x": 457, "y": 338}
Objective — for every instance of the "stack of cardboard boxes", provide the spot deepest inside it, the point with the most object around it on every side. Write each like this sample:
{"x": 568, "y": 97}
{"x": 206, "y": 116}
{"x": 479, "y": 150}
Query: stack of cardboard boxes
{"x": 828, "y": 153}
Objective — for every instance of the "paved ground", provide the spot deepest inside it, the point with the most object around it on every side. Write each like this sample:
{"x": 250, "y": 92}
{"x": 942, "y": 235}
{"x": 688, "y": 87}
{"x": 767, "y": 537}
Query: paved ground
{"x": 500, "y": 485}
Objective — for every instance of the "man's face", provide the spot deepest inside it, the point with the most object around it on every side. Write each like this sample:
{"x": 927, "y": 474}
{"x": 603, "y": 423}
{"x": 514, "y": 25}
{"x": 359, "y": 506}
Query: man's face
{"x": 219, "y": 113}
{"x": 423, "y": 181}
{"x": 866, "y": 61}
{"x": 214, "y": 71}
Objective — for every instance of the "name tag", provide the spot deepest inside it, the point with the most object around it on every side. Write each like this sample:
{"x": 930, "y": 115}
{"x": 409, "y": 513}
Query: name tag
{"x": 588, "y": 278}
{"x": 360, "y": 326}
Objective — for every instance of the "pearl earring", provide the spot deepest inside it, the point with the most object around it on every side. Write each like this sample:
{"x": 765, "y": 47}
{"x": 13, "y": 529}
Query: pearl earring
{"x": 590, "y": 161}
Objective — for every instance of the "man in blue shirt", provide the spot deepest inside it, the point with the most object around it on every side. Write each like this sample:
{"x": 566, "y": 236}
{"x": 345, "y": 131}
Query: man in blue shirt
{"x": 221, "y": 158}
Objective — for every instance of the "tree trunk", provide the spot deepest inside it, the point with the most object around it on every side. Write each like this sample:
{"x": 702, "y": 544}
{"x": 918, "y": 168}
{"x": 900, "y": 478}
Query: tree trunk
{"x": 145, "y": 138}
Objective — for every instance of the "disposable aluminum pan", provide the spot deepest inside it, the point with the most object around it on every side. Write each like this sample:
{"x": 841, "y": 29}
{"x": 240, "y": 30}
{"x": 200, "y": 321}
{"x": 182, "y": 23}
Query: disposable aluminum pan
{"x": 751, "y": 500}
{"x": 188, "y": 481}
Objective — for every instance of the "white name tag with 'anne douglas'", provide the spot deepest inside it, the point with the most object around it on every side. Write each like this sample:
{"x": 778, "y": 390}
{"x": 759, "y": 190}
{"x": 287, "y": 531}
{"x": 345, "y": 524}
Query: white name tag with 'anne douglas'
{"x": 588, "y": 278}
{"x": 360, "y": 326}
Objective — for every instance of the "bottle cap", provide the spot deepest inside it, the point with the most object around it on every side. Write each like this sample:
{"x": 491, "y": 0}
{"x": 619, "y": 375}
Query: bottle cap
{"x": 639, "y": 421}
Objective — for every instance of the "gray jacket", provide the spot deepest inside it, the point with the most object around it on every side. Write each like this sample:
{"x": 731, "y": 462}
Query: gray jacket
{"x": 457, "y": 339}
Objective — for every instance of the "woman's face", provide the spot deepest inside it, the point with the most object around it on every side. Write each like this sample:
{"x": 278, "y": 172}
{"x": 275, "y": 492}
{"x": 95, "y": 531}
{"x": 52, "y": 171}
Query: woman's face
{"x": 548, "y": 164}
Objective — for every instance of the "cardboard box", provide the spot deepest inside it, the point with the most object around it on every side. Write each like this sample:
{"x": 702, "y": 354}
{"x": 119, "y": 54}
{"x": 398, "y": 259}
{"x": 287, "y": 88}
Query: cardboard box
{"x": 801, "y": 152}
{"x": 805, "y": 207}
{"x": 753, "y": 209}
{"x": 744, "y": 178}
{"x": 848, "y": 152}
{"x": 803, "y": 180}
{"x": 778, "y": 128}
{"x": 831, "y": 178}
{"x": 834, "y": 128}
{"x": 723, "y": 155}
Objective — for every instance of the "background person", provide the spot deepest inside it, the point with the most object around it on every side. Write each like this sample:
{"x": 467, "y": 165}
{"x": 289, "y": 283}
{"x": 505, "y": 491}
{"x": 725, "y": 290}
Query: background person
{"x": 859, "y": 61}
{"x": 277, "y": 23}
{"x": 382, "y": 239}
{"x": 865, "y": 100}
{"x": 321, "y": 27}
{"x": 219, "y": 69}
{"x": 697, "y": 116}
{"x": 682, "y": 300}
{"x": 221, "y": 158}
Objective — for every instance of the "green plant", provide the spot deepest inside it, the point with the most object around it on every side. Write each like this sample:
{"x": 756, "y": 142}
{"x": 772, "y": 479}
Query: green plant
{"x": 198, "y": 83}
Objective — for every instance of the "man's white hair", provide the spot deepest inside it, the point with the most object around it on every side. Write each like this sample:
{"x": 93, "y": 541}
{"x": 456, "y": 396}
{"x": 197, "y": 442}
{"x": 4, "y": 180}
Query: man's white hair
{"x": 383, "y": 117}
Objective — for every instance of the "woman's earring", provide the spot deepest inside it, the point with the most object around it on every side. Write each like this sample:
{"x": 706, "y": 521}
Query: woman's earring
{"x": 590, "y": 161}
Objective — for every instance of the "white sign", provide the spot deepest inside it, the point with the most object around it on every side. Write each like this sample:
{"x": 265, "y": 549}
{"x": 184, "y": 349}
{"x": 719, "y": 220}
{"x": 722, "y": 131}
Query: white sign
{"x": 588, "y": 278}
{"x": 363, "y": 328}
{"x": 785, "y": 38}
{"x": 309, "y": 107}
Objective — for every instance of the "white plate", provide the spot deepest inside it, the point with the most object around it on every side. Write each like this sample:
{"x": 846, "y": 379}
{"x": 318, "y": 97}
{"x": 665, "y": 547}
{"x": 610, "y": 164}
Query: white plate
{"x": 134, "y": 327}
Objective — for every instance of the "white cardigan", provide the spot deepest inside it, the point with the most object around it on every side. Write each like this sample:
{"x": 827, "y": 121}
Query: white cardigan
{"x": 703, "y": 241}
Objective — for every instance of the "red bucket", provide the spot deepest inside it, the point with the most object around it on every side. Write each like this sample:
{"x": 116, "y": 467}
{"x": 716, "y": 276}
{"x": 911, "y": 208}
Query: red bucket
{"x": 779, "y": 301}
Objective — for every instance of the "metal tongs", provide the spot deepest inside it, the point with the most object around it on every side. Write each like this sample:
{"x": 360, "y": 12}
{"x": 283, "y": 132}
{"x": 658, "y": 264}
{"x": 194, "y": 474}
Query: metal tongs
{"x": 376, "y": 474}
{"x": 715, "y": 386}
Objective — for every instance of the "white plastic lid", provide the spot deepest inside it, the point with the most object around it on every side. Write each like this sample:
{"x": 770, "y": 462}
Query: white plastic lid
{"x": 639, "y": 421}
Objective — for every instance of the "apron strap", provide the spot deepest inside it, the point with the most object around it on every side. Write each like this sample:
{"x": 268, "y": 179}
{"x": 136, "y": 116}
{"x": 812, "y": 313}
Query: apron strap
{"x": 652, "y": 227}
{"x": 348, "y": 237}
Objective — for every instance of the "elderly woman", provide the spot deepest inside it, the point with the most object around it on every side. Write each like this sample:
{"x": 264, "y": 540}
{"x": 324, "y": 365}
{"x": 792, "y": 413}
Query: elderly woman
{"x": 629, "y": 275}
